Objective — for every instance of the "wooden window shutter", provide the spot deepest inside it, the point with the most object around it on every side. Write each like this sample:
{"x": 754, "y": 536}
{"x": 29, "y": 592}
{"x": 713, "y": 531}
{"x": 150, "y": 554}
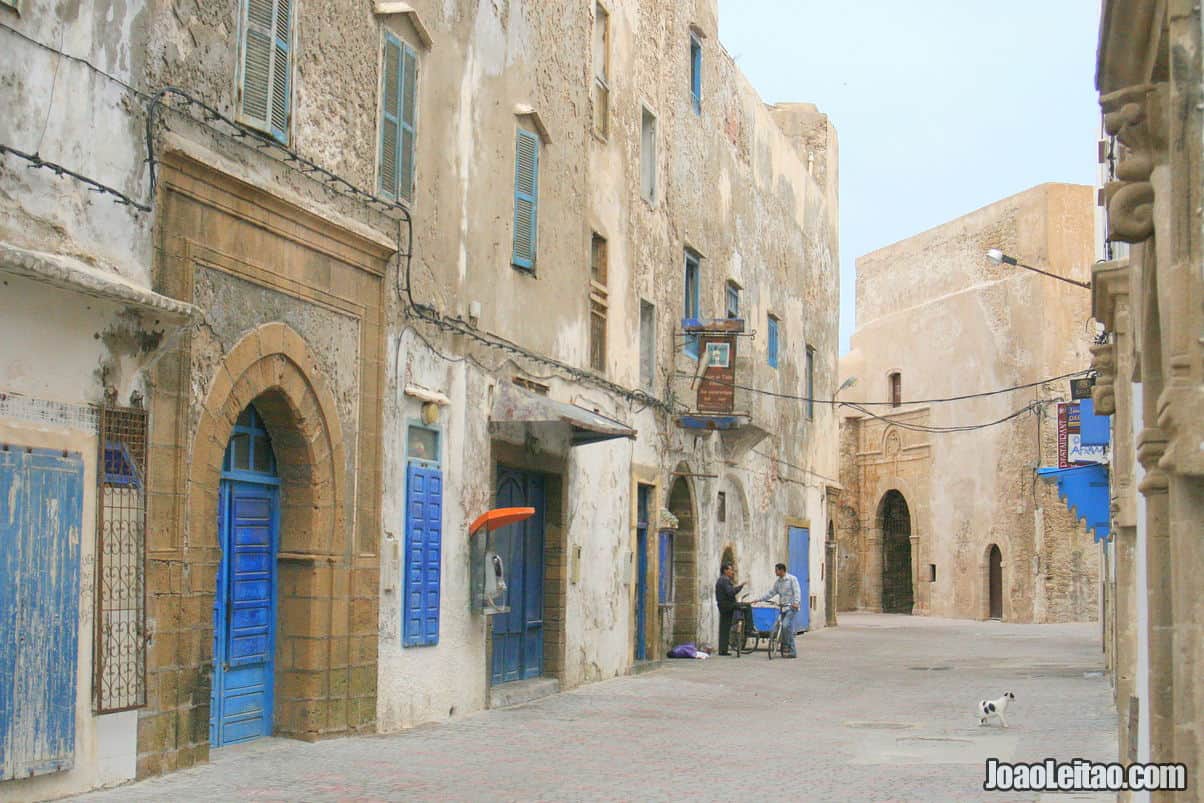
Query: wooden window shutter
{"x": 390, "y": 113}
{"x": 526, "y": 194}
{"x": 267, "y": 30}
{"x": 409, "y": 98}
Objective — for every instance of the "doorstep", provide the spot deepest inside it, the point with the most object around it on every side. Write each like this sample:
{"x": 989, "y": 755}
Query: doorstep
{"x": 519, "y": 692}
{"x": 640, "y": 667}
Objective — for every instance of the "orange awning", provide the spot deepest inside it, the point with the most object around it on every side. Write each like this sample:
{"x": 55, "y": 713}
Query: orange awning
{"x": 500, "y": 517}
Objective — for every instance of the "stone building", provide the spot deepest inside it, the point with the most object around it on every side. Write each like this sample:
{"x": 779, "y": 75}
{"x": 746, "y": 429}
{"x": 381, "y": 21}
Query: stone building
{"x": 1148, "y": 295}
{"x": 943, "y": 522}
{"x": 388, "y": 268}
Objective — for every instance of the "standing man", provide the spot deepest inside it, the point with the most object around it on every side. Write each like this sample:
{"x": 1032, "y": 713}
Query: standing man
{"x": 788, "y": 593}
{"x": 725, "y": 598}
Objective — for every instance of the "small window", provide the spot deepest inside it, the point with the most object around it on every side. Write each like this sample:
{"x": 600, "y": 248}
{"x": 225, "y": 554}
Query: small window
{"x": 896, "y": 389}
{"x": 733, "y": 300}
{"x": 397, "y": 119}
{"x": 422, "y": 444}
{"x": 647, "y": 344}
{"x": 598, "y": 303}
{"x": 265, "y": 67}
{"x": 601, "y": 87}
{"x": 692, "y": 307}
{"x": 696, "y": 73}
{"x": 721, "y": 513}
{"x": 810, "y": 384}
{"x": 526, "y": 199}
{"x": 648, "y": 156}
{"x": 773, "y": 342}
{"x": 932, "y": 572}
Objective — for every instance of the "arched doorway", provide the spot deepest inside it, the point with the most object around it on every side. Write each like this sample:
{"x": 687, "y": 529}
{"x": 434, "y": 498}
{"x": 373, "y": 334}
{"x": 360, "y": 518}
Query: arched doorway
{"x": 682, "y": 556}
{"x": 994, "y": 583}
{"x": 244, "y": 610}
{"x": 729, "y": 556}
{"x": 897, "y": 592}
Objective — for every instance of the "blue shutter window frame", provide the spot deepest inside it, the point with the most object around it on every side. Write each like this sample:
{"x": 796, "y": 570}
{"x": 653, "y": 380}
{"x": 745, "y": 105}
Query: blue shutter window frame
{"x": 423, "y": 555}
{"x": 696, "y": 73}
{"x": 733, "y": 300}
{"x": 399, "y": 95}
{"x": 526, "y": 200}
{"x": 664, "y": 574}
{"x": 265, "y": 67}
{"x": 772, "y": 355}
{"x": 692, "y": 304}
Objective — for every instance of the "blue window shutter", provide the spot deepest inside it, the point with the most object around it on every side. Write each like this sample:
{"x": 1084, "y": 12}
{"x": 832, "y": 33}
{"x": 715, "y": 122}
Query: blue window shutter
{"x": 693, "y": 300}
{"x": 1094, "y": 430}
{"x": 390, "y": 116}
{"x": 409, "y": 97}
{"x": 266, "y": 45}
{"x": 696, "y": 74}
{"x": 423, "y": 555}
{"x": 526, "y": 199}
{"x": 773, "y": 342}
{"x": 41, "y": 515}
{"x": 665, "y": 568}
{"x": 281, "y": 91}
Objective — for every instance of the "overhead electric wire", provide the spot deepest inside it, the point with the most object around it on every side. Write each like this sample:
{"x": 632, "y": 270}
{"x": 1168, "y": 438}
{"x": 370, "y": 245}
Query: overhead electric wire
{"x": 1028, "y": 408}
{"x": 838, "y": 403}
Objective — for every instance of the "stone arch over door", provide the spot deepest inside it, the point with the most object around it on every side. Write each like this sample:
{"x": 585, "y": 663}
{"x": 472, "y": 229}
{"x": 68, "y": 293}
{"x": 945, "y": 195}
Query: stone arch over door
{"x": 686, "y": 591}
{"x": 274, "y": 368}
{"x": 897, "y": 564}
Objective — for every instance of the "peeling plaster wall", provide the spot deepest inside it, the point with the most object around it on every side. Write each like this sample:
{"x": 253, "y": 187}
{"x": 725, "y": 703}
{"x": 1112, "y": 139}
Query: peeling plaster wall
{"x": 733, "y": 184}
{"x": 934, "y": 309}
{"x": 63, "y": 345}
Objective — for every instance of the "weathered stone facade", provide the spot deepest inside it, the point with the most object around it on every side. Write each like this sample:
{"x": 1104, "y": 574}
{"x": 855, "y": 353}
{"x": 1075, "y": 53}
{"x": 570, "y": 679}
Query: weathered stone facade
{"x": 1151, "y": 375}
{"x": 935, "y": 316}
{"x": 266, "y": 268}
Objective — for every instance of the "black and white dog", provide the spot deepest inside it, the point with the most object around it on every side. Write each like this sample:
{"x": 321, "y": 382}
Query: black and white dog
{"x": 995, "y": 708}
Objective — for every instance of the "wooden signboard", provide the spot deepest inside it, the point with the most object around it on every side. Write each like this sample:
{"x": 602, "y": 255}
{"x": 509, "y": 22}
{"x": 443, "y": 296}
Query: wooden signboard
{"x": 716, "y": 389}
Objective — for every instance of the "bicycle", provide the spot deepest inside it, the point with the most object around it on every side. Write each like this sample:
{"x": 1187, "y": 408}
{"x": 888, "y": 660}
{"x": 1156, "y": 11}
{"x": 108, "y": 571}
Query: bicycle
{"x": 737, "y": 632}
{"x": 775, "y": 635}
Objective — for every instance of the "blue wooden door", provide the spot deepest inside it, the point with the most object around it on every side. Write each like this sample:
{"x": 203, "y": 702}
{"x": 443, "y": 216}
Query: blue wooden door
{"x": 641, "y": 574}
{"x": 245, "y": 614}
{"x": 41, "y": 512}
{"x": 518, "y": 634}
{"x": 800, "y": 566}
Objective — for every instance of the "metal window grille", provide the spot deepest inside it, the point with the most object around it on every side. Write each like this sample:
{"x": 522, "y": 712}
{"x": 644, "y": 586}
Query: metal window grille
{"x": 120, "y": 638}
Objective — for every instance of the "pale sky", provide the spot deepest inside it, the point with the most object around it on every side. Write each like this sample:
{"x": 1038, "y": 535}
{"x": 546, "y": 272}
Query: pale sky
{"x": 940, "y": 106}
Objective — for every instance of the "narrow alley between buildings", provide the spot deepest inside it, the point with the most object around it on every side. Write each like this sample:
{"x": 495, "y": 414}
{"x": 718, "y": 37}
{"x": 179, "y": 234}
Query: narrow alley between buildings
{"x": 882, "y": 704}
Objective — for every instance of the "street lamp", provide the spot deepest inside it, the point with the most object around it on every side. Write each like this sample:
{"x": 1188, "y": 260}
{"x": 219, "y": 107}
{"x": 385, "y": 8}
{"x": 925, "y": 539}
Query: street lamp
{"x": 848, "y": 383}
{"x": 1000, "y": 258}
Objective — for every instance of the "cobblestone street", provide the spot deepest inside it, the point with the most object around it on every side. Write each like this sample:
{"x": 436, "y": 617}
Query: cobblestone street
{"x": 879, "y": 708}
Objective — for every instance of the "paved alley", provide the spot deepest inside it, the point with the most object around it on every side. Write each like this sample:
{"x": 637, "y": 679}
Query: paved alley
{"x": 878, "y": 708}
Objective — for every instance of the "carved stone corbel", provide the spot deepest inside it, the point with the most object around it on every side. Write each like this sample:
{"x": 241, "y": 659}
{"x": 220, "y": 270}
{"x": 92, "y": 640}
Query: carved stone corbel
{"x": 1151, "y": 445}
{"x": 1134, "y": 115}
{"x": 1103, "y": 362}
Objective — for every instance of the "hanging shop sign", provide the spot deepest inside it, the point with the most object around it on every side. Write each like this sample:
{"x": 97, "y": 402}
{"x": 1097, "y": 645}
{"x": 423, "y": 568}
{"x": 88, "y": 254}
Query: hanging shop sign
{"x": 1071, "y": 449}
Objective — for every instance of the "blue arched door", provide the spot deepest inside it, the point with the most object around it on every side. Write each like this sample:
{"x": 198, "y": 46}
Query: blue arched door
{"x": 244, "y": 611}
{"x": 518, "y": 634}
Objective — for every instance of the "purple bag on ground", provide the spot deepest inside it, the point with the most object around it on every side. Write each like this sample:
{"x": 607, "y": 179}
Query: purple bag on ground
{"x": 684, "y": 651}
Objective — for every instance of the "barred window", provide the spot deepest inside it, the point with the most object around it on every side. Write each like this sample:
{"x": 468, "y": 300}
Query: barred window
{"x": 119, "y": 683}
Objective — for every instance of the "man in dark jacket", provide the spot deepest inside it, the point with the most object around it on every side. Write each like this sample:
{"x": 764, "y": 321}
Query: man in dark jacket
{"x": 725, "y": 598}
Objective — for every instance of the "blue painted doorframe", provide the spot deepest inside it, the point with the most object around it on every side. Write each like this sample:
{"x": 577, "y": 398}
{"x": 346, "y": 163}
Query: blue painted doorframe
{"x": 41, "y": 514}
{"x": 244, "y": 611}
{"x": 641, "y": 574}
{"x": 518, "y": 634}
{"x": 799, "y": 564}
